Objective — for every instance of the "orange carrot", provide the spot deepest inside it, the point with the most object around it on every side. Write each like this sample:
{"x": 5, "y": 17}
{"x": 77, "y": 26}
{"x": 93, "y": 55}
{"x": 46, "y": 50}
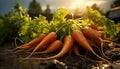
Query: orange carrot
{"x": 33, "y": 42}
{"x": 27, "y": 49}
{"x": 54, "y": 46}
{"x": 76, "y": 50}
{"x": 48, "y": 39}
{"x": 93, "y": 34}
{"x": 96, "y": 36}
{"x": 96, "y": 27}
{"x": 81, "y": 40}
{"x": 68, "y": 43}
{"x": 30, "y": 45}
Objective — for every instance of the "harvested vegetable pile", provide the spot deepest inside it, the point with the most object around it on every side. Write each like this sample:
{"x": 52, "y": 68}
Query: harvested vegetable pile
{"x": 62, "y": 35}
{"x": 84, "y": 36}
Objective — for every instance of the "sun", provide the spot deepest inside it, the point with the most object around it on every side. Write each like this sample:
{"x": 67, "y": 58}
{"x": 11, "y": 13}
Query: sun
{"x": 78, "y": 4}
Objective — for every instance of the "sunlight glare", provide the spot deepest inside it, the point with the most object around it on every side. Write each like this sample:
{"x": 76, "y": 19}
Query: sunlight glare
{"x": 78, "y": 4}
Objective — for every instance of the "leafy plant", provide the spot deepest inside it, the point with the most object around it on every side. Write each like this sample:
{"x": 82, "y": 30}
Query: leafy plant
{"x": 33, "y": 28}
{"x": 12, "y": 22}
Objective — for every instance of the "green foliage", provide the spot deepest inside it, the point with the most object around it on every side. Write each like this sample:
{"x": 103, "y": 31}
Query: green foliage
{"x": 32, "y": 28}
{"x": 12, "y": 22}
{"x": 60, "y": 15}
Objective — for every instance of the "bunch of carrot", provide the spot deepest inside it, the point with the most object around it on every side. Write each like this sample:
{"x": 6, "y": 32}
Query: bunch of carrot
{"x": 64, "y": 36}
{"x": 49, "y": 43}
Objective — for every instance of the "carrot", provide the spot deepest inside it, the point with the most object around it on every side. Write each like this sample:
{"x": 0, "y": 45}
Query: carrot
{"x": 30, "y": 44}
{"x": 76, "y": 50}
{"x": 96, "y": 27}
{"x": 54, "y": 46}
{"x": 48, "y": 39}
{"x": 33, "y": 42}
{"x": 68, "y": 43}
{"x": 25, "y": 50}
{"x": 91, "y": 33}
{"x": 101, "y": 31}
{"x": 81, "y": 40}
{"x": 96, "y": 36}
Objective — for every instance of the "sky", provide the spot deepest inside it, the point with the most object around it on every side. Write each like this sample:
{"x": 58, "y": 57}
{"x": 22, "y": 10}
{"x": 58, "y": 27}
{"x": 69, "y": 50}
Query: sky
{"x": 7, "y": 5}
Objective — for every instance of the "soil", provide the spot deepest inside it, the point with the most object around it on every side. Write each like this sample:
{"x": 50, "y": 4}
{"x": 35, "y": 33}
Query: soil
{"x": 10, "y": 60}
